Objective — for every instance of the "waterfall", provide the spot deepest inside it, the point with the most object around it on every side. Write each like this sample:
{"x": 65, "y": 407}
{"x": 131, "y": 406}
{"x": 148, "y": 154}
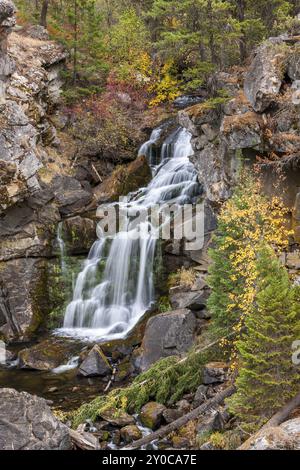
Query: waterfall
{"x": 116, "y": 285}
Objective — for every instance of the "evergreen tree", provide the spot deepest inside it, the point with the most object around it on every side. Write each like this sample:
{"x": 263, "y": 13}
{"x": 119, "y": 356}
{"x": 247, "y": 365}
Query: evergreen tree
{"x": 267, "y": 378}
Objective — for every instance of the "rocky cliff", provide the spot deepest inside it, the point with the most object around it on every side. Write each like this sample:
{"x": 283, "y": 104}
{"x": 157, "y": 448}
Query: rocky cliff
{"x": 253, "y": 116}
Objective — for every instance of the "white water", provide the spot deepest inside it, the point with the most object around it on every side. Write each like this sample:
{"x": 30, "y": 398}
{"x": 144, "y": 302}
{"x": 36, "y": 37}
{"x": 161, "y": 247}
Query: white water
{"x": 116, "y": 285}
{"x": 61, "y": 245}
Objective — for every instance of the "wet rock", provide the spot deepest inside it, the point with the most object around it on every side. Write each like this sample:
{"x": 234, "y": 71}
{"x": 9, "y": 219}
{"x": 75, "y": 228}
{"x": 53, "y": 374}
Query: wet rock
{"x": 117, "y": 418}
{"x": 23, "y": 298}
{"x": 264, "y": 77}
{"x": 48, "y": 354}
{"x": 283, "y": 437}
{"x": 167, "y": 334}
{"x": 28, "y": 424}
{"x": 151, "y": 415}
{"x": 215, "y": 372}
{"x": 79, "y": 233}
{"x": 131, "y": 433}
{"x": 125, "y": 179}
{"x": 95, "y": 364}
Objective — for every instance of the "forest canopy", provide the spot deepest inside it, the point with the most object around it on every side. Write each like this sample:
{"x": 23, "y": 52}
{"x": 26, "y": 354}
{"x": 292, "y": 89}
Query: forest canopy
{"x": 161, "y": 47}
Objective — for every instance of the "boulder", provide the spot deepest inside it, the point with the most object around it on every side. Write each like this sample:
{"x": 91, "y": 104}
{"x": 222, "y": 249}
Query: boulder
{"x": 131, "y": 433}
{"x": 265, "y": 75}
{"x": 215, "y": 372}
{"x": 28, "y": 424}
{"x": 151, "y": 415}
{"x": 283, "y": 437}
{"x": 171, "y": 414}
{"x": 48, "y": 354}
{"x": 212, "y": 424}
{"x": 70, "y": 196}
{"x": 124, "y": 179}
{"x": 191, "y": 300}
{"x": 167, "y": 334}
{"x": 117, "y": 418}
{"x": 95, "y": 364}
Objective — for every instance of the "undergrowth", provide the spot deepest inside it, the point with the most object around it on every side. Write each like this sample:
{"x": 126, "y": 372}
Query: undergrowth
{"x": 165, "y": 382}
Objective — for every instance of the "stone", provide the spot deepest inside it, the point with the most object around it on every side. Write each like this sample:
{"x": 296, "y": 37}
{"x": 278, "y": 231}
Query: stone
{"x": 200, "y": 396}
{"x": 180, "y": 442}
{"x": 242, "y": 131}
{"x": 131, "y": 433}
{"x": 70, "y": 195}
{"x": 171, "y": 414}
{"x": 191, "y": 300}
{"x": 215, "y": 372}
{"x": 293, "y": 260}
{"x": 283, "y": 437}
{"x": 125, "y": 179}
{"x": 167, "y": 334}
{"x": 95, "y": 364}
{"x": 117, "y": 418}
{"x": 151, "y": 415}
{"x": 196, "y": 116}
{"x": 213, "y": 424}
{"x": 265, "y": 75}
{"x": 28, "y": 424}
{"x": 48, "y": 354}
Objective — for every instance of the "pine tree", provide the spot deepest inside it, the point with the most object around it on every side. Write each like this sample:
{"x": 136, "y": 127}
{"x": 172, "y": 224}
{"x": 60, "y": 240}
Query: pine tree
{"x": 267, "y": 378}
{"x": 247, "y": 219}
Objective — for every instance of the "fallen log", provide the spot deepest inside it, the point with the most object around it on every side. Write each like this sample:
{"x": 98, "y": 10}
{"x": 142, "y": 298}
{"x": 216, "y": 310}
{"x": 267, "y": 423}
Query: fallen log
{"x": 178, "y": 423}
{"x": 84, "y": 440}
{"x": 276, "y": 420}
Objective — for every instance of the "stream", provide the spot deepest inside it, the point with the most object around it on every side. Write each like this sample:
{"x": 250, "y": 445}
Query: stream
{"x": 116, "y": 284}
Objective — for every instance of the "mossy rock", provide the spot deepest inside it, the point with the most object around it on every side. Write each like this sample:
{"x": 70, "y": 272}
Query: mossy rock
{"x": 124, "y": 180}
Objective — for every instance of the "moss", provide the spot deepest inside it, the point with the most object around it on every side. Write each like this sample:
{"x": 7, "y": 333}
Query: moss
{"x": 164, "y": 304}
{"x": 165, "y": 382}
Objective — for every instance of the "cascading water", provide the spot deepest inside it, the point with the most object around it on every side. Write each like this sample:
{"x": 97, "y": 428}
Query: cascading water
{"x": 61, "y": 245}
{"x": 116, "y": 285}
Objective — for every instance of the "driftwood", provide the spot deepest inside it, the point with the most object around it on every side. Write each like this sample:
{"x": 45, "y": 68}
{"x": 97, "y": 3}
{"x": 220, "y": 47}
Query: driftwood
{"x": 84, "y": 440}
{"x": 178, "y": 423}
{"x": 276, "y": 420}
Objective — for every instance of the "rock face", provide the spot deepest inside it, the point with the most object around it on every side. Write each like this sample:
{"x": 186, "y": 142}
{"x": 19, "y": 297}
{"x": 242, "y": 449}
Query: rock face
{"x": 28, "y": 424}
{"x": 167, "y": 334}
{"x": 264, "y": 77}
{"x": 283, "y": 437}
{"x": 124, "y": 180}
{"x": 95, "y": 364}
{"x": 254, "y": 119}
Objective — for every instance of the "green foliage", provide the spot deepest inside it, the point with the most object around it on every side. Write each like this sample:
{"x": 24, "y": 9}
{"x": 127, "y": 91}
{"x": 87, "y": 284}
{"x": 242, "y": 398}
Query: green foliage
{"x": 267, "y": 377}
{"x": 166, "y": 382}
{"x": 164, "y": 304}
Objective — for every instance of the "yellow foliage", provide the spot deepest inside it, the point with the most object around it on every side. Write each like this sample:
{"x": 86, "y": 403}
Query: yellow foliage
{"x": 164, "y": 87}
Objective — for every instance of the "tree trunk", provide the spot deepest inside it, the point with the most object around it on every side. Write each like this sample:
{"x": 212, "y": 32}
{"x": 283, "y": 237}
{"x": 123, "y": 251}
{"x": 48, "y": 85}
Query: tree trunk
{"x": 43, "y": 20}
{"x": 240, "y": 13}
{"x": 219, "y": 398}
